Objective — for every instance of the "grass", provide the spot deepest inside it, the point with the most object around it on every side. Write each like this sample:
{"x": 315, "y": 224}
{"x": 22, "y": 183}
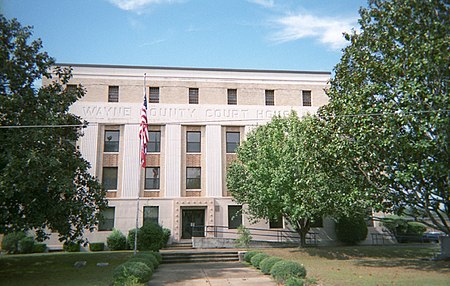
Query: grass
{"x": 58, "y": 268}
{"x": 370, "y": 265}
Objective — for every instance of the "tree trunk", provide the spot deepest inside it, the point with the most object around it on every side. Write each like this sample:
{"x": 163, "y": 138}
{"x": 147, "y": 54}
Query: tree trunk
{"x": 302, "y": 228}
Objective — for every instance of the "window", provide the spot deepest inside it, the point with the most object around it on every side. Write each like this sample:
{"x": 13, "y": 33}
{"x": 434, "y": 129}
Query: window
{"x": 306, "y": 95}
{"x": 276, "y": 222}
{"x": 109, "y": 178}
{"x": 113, "y": 94}
{"x": 193, "y": 178}
{"x": 232, "y": 96}
{"x": 111, "y": 141}
{"x": 317, "y": 222}
{"x": 151, "y": 214}
{"x": 71, "y": 88}
{"x": 270, "y": 97}
{"x": 233, "y": 140}
{"x": 106, "y": 222}
{"x": 151, "y": 178}
{"x": 193, "y": 96}
{"x": 234, "y": 216}
{"x": 193, "y": 142}
{"x": 154, "y": 95}
{"x": 154, "y": 141}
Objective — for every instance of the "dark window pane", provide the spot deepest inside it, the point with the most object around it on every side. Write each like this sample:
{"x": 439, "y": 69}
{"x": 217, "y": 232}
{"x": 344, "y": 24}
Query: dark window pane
{"x": 233, "y": 140}
{"x": 193, "y": 178}
{"x": 232, "y": 96}
{"x": 113, "y": 94}
{"x": 193, "y": 96}
{"x": 151, "y": 214}
{"x": 306, "y": 94}
{"x": 151, "y": 178}
{"x": 154, "y": 141}
{"x": 109, "y": 178}
{"x": 106, "y": 223}
{"x": 154, "y": 95}
{"x": 193, "y": 141}
{"x": 317, "y": 222}
{"x": 276, "y": 223}
{"x": 234, "y": 216}
{"x": 270, "y": 97}
{"x": 112, "y": 141}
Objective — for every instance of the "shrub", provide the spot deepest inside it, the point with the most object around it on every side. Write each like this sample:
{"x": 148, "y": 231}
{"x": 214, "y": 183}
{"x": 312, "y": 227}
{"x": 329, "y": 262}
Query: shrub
{"x": 248, "y": 256}
{"x": 116, "y": 240}
{"x": 266, "y": 264}
{"x": 72, "y": 246}
{"x": 96, "y": 246}
{"x": 244, "y": 237}
{"x": 351, "y": 230}
{"x": 166, "y": 237}
{"x": 10, "y": 242}
{"x": 143, "y": 260}
{"x": 26, "y": 245}
{"x": 403, "y": 230}
{"x": 124, "y": 271}
{"x": 149, "y": 237}
{"x": 283, "y": 270}
{"x": 149, "y": 256}
{"x": 39, "y": 247}
{"x": 256, "y": 259}
{"x": 294, "y": 281}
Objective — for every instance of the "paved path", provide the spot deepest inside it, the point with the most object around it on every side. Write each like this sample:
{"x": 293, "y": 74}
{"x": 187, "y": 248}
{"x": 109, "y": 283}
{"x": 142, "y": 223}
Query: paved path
{"x": 209, "y": 274}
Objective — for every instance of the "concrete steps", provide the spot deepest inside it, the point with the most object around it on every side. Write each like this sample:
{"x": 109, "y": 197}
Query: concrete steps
{"x": 196, "y": 256}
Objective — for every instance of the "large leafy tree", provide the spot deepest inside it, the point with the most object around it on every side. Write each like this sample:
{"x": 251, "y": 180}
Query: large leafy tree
{"x": 390, "y": 105}
{"x": 283, "y": 168}
{"x": 44, "y": 181}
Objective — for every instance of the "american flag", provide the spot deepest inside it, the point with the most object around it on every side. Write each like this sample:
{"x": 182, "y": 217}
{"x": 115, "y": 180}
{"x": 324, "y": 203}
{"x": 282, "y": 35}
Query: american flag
{"x": 143, "y": 131}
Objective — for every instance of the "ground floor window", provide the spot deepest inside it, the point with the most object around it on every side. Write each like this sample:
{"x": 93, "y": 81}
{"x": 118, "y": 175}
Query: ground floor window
{"x": 276, "y": 222}
{"x": 234, "y": 216}
{"x": 106, "y": 223}
{"x": 151, "y": 214}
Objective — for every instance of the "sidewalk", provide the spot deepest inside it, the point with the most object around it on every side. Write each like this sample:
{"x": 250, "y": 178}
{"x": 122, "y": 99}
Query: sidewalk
{"x": 210, "y": 273}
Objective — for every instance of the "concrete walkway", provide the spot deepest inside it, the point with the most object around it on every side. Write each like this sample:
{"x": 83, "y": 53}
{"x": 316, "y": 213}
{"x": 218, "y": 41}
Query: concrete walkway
{"x": 209, "y": 274}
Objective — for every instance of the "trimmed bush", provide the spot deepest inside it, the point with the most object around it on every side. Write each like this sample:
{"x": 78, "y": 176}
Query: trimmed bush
{"x": 266, "y": 264}
{"x": 148, "y": 256}
{"x": 248, "y": 256}
{"x": 72, "y": 247}
{"x": 404, "y": 230}
{"x": 116, "y": 240}
{"x": 143, "y": 260}
{"x": 351, "y": 230}
{"x": 150, "y": 237}
{"x": 166, "y": 237}
{"x": 124, "y": 271}
{"x": 293, "y": 281}
{"x": 39, "y": 247}
{"x": 256, "y": 259}
{"x": 26, "y": 245}
{"x": 10, "y": 242}
{"x": 96, "y": 246}
{"x": 283, "y": 270}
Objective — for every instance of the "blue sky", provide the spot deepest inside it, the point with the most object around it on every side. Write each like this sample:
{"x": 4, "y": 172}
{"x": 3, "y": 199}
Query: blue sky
{"x": 247, "y": 34}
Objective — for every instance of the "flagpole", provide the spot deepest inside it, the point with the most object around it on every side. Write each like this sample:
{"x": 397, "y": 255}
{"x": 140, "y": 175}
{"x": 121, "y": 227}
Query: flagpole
{"x": 141, "y": 146}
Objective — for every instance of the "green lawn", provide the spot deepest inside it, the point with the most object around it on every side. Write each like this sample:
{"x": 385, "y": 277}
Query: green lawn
{"x": 58, "y": 268}
{"x": 370, "y": 265}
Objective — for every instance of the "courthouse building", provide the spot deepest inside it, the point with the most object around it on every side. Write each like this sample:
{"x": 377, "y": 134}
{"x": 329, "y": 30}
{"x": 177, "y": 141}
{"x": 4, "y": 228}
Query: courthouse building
{"x": 197, "y": 117}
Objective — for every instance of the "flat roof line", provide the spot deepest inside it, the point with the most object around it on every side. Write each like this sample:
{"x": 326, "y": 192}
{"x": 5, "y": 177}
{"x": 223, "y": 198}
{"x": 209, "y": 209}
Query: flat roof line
{"x": 191, "y": 68}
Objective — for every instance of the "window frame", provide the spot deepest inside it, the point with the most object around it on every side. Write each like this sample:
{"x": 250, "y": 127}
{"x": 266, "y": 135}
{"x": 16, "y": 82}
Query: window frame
{"x": 155, "y": 185}
{"x": 111, "y": 146}
{"x": 147, "y": 219}
{"x": 193, "y": 183}
{"x": 232, "y": 96}
{"x": 269, "y": 97}
{"x": 308, "y": 100}
{"x": 105, "y": 224}
{"x": 193, "y": 146}
{"x": 276, "y": 223}
{"x": 154, "y": 146}
{"x": 113, "y": 93}
{"x": 237, "y": 216}
{"x": 231, "y": 146}
{"x": 153, "y": 92}
{"x": 193, "y": 96}
{"x": 110, "y": 182}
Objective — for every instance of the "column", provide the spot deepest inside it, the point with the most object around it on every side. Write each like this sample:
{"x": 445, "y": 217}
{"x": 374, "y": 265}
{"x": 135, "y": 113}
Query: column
{"x": 173, "y": 160}
{"x": 213, "y": 161}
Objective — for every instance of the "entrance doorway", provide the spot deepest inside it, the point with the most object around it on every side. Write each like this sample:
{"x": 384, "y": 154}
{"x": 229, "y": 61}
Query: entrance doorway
{"x": 192, "y": 223}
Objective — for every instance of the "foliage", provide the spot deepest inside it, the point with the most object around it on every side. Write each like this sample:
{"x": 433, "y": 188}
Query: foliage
{"x": 404, "y": 230}
{"x": 351, "y": 230}
{"x": 283, "y": 270}
{"x": 44, "y": 181}
{"x": 257, "y": 258}
{"x": 166, "y": 237}
{"x": 249, "y": 254}
{"x": 390, "y": 110}
{"x": 146, "y": 261}
{"x": 72, "y": 246}
{"x": 116, "y": 240}
{"x": 142, "y": 272}
{"x": 39, "y": 247}
{"x": 149, "y": 237}
{"x": 294, "y": 281}
{"x": 266, "y": 264}
{"x": 282, "y": 168}
{"x": 151, "y": 256}
{"x": 96, "y": 246}
{"x": 26, "y": 245}
{"x": 244, "y": 237}
{"x": 10, "y": 242}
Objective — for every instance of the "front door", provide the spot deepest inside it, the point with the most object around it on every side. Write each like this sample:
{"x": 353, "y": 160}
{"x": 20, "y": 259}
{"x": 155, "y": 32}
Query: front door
{"x": 190, "y": 219}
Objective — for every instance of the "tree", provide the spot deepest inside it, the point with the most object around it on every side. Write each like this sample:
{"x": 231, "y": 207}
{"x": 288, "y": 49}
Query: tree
{"x": 44, "y": 181}
{"x": 390, "y": 105}
{"x": 282, "y": 168}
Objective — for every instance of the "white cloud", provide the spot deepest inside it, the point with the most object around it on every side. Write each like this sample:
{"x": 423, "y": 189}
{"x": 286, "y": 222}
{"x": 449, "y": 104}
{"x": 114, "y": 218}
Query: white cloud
{"x": 264, "y": 3}
{"x": 133, "y": 5}
{"x": 327, "y": 30}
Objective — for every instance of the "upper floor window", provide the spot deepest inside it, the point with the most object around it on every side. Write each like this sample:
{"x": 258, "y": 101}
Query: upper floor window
{"x": 71, "y": 87}
{"x": 270, "y": 97}
{"x": 151, "y": 178}
{"x": 232, "y": 96}
{"x": 193, "y": 96}
{"x": 233, "y": 140}
{"x": 306, "y": 97}
{"x": 109, "y": 178}
{"x": 193, "y": 142}
{"x": 154, "y": 95}
{"x": 154, "y": 141}
{"x": 193, "y": 178}
{"x": 151, "y": 214}
{"x": 113, "y": 94}
{"x": 111, "y": 141}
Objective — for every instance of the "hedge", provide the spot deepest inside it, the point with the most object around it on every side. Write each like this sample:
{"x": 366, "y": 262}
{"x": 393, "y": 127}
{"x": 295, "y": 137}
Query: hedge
{"x": 283, "y": 270}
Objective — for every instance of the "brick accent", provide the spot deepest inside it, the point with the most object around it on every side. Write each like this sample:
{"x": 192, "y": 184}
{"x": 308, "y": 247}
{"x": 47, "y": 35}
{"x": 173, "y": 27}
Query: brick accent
{"x": 111, "y": 194}
{"x": 193, "y": 160}
{"x": 110, "y": 160}
{"x": 151, "y": 194}
{"x": 193, "y": 193}
{"x": 152, "y": 160}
